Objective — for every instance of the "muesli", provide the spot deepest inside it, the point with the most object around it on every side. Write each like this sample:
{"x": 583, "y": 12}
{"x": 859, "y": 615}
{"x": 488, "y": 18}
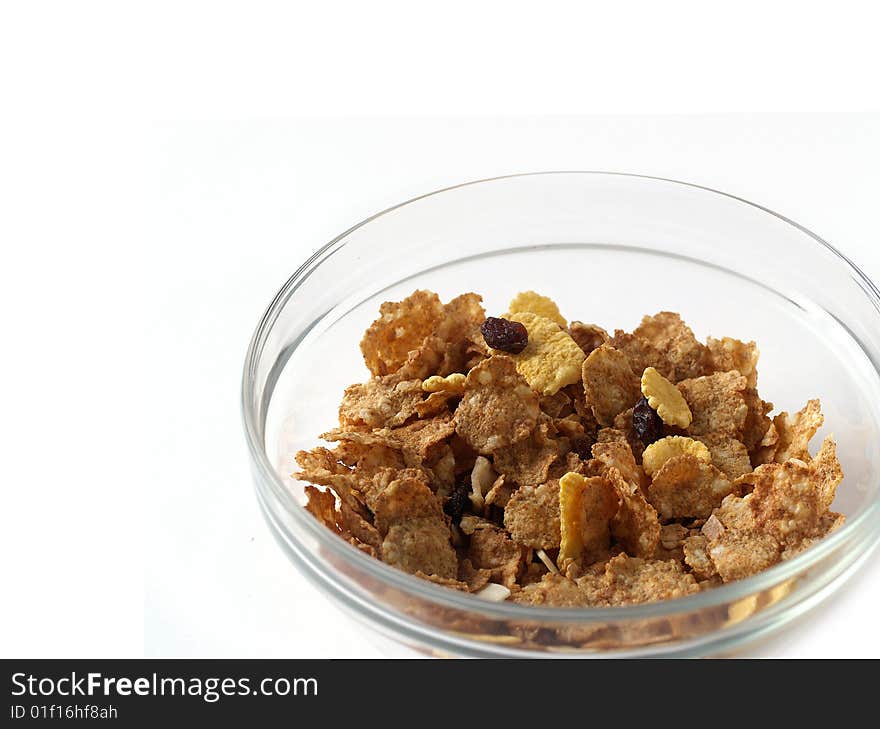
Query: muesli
{"x": 527, "y": 458}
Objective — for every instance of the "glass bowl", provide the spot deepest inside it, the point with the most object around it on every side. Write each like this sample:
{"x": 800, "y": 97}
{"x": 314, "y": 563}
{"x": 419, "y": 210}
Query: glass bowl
{"x": 608, "y": 248}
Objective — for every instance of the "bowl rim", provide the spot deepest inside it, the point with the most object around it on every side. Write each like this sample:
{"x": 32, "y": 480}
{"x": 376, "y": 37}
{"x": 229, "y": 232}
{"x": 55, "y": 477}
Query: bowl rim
{"x": 455, "y": 599}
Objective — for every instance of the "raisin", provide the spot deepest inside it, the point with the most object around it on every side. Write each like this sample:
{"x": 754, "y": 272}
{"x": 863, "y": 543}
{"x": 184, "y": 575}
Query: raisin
{"x": 647, "y": 424}
{"x": 508, "y": 336}
{"x": 583, "y": 445}
{"x": 458, "y": 500}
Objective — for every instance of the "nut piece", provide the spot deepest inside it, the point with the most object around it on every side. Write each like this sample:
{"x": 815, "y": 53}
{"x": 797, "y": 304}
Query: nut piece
{"x": 660, "y": 451}
{"x": 665, "y": 398}
{"x": 452, "y": 384}
{"x": 532, "y": 303}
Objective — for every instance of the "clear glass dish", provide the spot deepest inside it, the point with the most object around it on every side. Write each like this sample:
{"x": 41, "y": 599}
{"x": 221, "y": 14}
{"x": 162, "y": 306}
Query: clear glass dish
{"x": 608, "y": 248}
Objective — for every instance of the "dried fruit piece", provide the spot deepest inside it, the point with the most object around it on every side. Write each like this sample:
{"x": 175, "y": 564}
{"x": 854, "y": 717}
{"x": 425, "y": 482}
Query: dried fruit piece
{"x": 585, "y": 507}
{"x": 458, "y": 500}
{"x": 552, "y": 359}
{"x": 498, "y": 407}
{"x": 504, "y": 335}
{"x": 532, "y": 303}
{"x": 610, "y": 385}
{"x": 646, "y": 423}
{"x": 401, "y": 327}
{"x": 665, "y": 398}
{"x": 656, "y": 454}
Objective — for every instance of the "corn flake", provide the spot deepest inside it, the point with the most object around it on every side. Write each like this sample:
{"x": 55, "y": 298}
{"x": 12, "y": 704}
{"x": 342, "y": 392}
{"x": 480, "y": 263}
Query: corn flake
{"x": 660, "y": 451}
{"x": 551, "y": 359}
{"x": 665, "y": 398}
{"x": 585, "y": 507}
{"x": 528, "y": 302}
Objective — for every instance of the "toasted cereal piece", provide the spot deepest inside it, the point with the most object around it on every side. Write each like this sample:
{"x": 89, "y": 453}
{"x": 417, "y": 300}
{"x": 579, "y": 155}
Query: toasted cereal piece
{"x": 551, "y": 359}
{"x": 381, "y": 402}
{"x": 353, "y": 523}
{"x": 790, "y": 498}
{"x": 528, "y": 461}
{"x": 553, "y": 590}
{"x": 500, "y": 493}
{"x": 635, "y": 525}
{"x": 660, "y": 451}
{"x": 322, "y": 505}
{"x": 672, "y": 535}
{"x": 641, "y": 354}
{"x": 588, "y": 336}
{"x": 556, "y": 405}
{"x": 716, "y": 402}
{"x": 696, "y": 556}
{"x": 475, "y": 578}
{"x": 459, "y": 326}
{"x": 727, "y": 354}
{"x": 618, "y": 454}
{"x": 629, "y": 581}
{"x": 729, "y": 455}
{"x": 492, "y": 549}
{"x": 444, "y": 581}
{"x": 324, "y": 467}
{"x": 403, "y": 500}
{"x": 669, "y": 334}
{"x": 794, "y": 434}
{"x": 665, "y": 399}
{"x": 828, "y": 522}
{"x": 610, "y": 385}
{"x": 585, "y": 507}
{"x": 498, "y": 407}
{"x": 686, "y": 487}
{"x": 532, "y": 515}
{"x": 401, "y": 327}
{"x": 417, "y": 441}
{"x": 532, "y": 303}
{"x": 437, "y": 403}
{"x": 421, "y": 545}
{"x": 738, "y": 554}
{"x": 757, "y": 423}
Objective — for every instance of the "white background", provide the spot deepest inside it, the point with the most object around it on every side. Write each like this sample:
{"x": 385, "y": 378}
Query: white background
{"x": 164, "y": 173}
